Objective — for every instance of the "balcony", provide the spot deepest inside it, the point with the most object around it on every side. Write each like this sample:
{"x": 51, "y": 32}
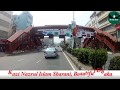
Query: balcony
{"x": 97, "y": 12}
{"x": 105, "y": 24}
{"x": 104, "y": 15}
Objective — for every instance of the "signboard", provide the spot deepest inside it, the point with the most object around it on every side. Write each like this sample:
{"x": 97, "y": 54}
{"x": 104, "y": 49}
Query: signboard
{"x": 79, "y": 34}
{"x": 61, "y": 36}
{"x": 41, "y": 36}
{"x": 88, "y": 35}
{"x": 83, "y": 33}
{"x": 62, "y": 32}
{"x": 51, "y": 36}
{"x": 56, "y": 33}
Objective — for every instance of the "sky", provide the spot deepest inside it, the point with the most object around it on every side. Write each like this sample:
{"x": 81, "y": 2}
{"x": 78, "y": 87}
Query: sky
{"x": 41, "y": 18}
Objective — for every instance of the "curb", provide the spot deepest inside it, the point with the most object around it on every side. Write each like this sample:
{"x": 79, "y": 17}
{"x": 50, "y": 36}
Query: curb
{"x": 75, "y": 62}
{"x": 3, "y": 55}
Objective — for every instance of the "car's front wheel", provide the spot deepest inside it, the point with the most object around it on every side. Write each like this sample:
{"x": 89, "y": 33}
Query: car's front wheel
{"x": 45, "y": 57}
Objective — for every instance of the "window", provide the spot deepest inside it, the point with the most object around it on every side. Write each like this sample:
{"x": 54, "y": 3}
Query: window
{"x": 102, "y": 21}
{"x": 14, "y": 18}
{"x": 89, "y": 25}
{"x": 3, "y": 34}
{"x": 4, "y": 23}
{"x": 101, "y": 13}
{"x": 6, "y": 14}
{"x": 108, "y": 28}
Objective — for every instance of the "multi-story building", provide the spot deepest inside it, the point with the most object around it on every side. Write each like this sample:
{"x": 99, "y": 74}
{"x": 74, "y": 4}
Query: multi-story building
{"x": 93, "y": 21}
{"x": 118, "y": 30}
{"x": 104, "y": 24}
{"x": 5, "y": 24}
{"x": 22, "y": 21}
{"x": 99, "y": 19}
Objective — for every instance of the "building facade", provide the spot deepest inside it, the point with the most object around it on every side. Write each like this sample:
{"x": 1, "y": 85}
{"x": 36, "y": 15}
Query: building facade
{"x": 22, "y": 21}
{"x": 5, "y": 24}
{"x": 101, "y": 22}
{"x": 104, "y": 24}
{"x": 93, "y": 21}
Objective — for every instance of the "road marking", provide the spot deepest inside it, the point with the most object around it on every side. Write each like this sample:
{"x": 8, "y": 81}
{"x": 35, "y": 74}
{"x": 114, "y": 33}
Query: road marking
{"x": 38, "y": 61}
{"x": 20, "y": 59}
{"x": 68, "y": 60}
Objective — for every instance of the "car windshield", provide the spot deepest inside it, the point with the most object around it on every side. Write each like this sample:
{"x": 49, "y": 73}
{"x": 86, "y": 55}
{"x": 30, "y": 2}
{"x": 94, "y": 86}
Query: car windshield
{"x": 50, "y": 49}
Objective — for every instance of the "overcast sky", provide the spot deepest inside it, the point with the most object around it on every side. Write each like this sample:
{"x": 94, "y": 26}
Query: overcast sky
{"x": 41, "y": 18}
{"x": 58, "y": 17}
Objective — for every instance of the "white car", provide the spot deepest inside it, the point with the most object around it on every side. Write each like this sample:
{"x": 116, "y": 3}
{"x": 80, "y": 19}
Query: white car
{"x": 50, "y": 52}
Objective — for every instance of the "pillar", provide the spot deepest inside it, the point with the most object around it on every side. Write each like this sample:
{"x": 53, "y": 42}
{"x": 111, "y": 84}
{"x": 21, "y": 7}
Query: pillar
{"x": 64, "y": 39}
{"x": 53, "y": 40}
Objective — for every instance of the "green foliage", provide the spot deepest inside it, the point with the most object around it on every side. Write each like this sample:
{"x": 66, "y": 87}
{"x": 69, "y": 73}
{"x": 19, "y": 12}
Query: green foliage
{"x": 65, "y": 46}
{"x": 83, "y": 55}
{"x": 98, "y": 58}
{"x": 75, "y": 52}
{"x": 114, "y": 63}
{"x": 69, "y": 50}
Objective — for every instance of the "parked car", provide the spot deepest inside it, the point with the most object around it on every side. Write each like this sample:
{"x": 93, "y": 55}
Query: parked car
{"x": 50, "y": 52}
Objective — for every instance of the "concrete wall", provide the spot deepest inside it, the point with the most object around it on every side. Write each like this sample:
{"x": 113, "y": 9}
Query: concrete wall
{"x": 5, "y": 24}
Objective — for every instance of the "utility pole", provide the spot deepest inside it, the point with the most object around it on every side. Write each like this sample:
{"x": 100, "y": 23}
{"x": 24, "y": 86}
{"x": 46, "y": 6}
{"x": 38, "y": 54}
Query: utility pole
{"x": 73, "y": 16}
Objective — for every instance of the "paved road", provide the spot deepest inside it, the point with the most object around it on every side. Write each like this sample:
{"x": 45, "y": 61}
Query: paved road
{"x": 34, "y": 61}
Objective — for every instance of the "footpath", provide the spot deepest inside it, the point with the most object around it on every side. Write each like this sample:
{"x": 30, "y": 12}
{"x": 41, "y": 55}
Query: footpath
{"x": 2, "y": 54}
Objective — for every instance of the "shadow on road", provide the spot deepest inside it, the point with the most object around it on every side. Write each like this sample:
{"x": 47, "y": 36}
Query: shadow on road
{"x": 23, "y": 53}
{"x": 53, "y": 58}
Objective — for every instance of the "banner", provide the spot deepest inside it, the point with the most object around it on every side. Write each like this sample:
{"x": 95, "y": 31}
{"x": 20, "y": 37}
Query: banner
{"x": 88, "y": 34}
{"x": 62, "y": 32}
{"x": 60, "y": 74}
{"x": 79, "y": 34}
{"x": 83, "y": 33}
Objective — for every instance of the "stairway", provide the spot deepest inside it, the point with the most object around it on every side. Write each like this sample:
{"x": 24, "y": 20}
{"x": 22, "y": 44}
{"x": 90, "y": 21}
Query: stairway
{"x": 104, "y": 37}
{"x": 17, "y": 39}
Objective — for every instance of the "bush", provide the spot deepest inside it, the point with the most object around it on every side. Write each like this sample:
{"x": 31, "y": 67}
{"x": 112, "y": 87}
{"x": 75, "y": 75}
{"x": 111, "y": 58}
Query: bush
{"x": 114, "y": 63}
{"x": 83, "y": 55}
{"x": 66, "y": 45}
{"x": 69, "y": 50}
{"x": 75, "y": 52}
{"x": 98, "y": 58}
